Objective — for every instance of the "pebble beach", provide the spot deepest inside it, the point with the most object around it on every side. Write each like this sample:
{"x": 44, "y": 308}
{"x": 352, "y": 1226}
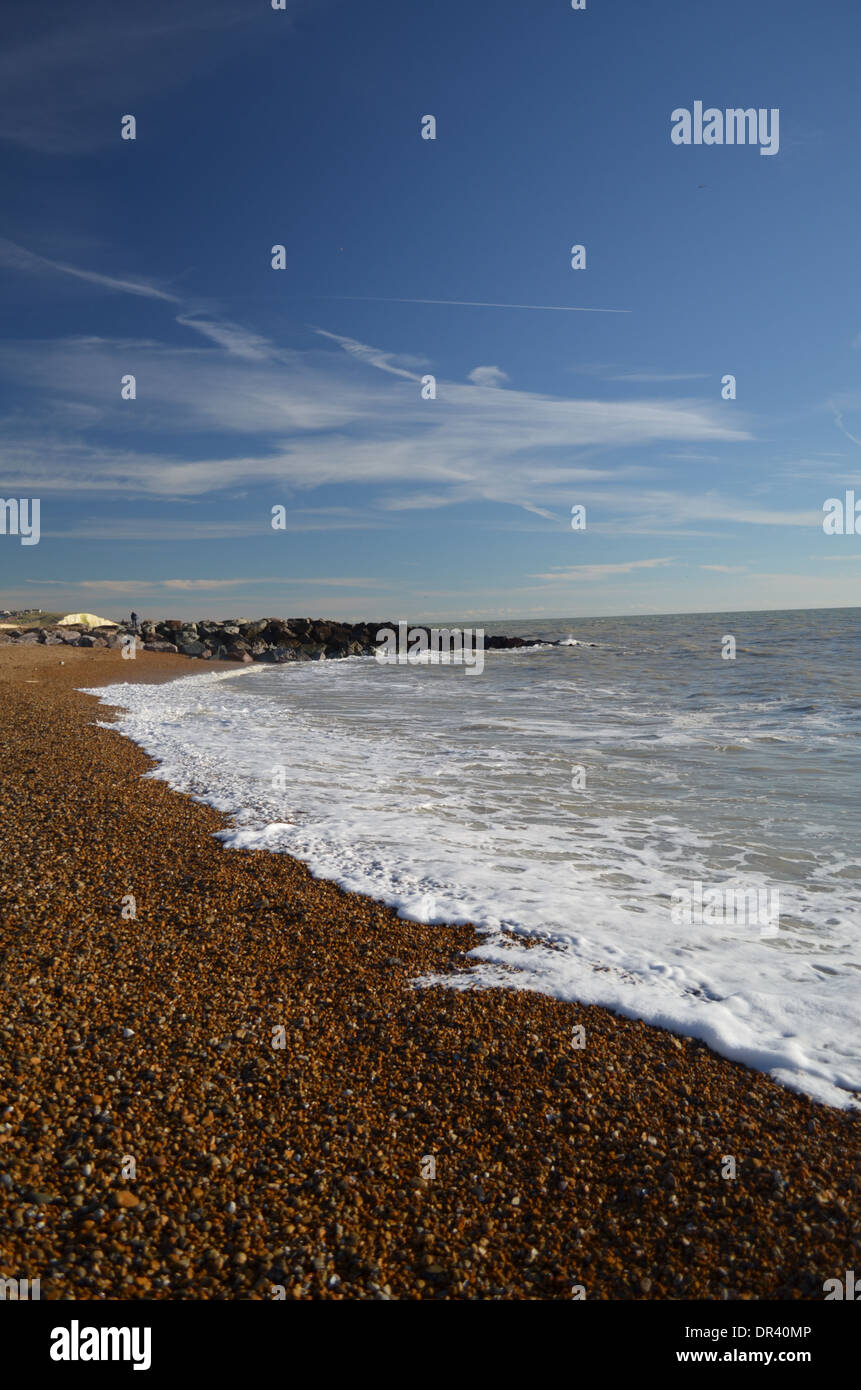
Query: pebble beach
{"x": 231, "y": 1087}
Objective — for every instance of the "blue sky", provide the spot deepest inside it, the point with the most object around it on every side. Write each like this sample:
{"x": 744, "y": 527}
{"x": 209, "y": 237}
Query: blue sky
{"x": 302, "y": 387}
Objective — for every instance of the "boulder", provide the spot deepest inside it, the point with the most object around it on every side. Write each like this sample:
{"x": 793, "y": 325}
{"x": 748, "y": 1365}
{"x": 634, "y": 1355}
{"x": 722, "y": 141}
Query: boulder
{"x": 190, "y": 647}
{"x": 278, "y": 655}
{"x": 159, "y": 647}
{"x": 278, "y": 633}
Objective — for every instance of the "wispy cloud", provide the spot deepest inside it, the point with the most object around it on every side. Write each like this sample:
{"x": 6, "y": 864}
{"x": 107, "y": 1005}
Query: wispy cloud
{"x": 169, "y": 530}
{"x": 372, "y": 356}
{"x": 659, "y": 377}
{"x": 323, "y": 418}
{"x": 475, "y": 304}
{"x": 590, "y": 573}
{"x": 236, "y": 340}
{"x": 838, "y": 420}
{"x": 487, "y": 376}
{"x": 19, "y": 258}
{"x": 67, "y": 73}
{"x": 609, "y": 371}
{"x": 126, "y": 585}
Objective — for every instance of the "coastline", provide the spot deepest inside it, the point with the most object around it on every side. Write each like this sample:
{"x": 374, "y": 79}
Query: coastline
{"x": 555, "y": 1167}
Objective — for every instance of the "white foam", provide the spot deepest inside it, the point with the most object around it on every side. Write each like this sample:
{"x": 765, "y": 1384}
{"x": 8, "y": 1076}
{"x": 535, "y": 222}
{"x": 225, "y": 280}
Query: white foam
{"x": 450, "y": 798}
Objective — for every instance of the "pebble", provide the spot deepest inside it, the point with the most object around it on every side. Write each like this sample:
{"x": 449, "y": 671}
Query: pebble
{"x": 302, "y": 1165}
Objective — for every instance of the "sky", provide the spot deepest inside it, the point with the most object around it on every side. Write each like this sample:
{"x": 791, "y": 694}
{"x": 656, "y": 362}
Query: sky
{"x": 406, "y": 258}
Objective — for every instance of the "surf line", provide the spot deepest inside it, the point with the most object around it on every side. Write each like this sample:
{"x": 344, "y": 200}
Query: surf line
{"x": 458, "y": 646}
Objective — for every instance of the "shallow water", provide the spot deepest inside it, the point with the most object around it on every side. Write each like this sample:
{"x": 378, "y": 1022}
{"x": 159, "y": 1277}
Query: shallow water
{"x": 454, "y": 797}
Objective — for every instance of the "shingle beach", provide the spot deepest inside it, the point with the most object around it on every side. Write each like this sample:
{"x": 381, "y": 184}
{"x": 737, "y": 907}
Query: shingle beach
{"x": 261, "y": 1168}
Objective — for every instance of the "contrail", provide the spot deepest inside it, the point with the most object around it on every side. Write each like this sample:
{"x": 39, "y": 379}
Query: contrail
{"x": 475, "y": 304}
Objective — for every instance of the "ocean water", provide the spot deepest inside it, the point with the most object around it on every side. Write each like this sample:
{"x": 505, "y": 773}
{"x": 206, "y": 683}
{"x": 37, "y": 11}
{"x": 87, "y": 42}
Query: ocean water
{"x": 565, "y": 801}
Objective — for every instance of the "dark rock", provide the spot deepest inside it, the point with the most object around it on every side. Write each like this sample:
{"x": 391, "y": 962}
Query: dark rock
{"x": 269, "y": 640}
{"x": 278, "y": 632}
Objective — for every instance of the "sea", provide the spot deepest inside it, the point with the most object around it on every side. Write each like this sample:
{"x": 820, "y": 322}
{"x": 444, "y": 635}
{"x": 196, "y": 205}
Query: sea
{"x": 649, "y": 816}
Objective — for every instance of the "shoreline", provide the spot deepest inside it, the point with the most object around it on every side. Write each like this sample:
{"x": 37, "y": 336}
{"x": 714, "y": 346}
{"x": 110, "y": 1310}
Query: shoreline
{"x": 555, "y": 1167}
